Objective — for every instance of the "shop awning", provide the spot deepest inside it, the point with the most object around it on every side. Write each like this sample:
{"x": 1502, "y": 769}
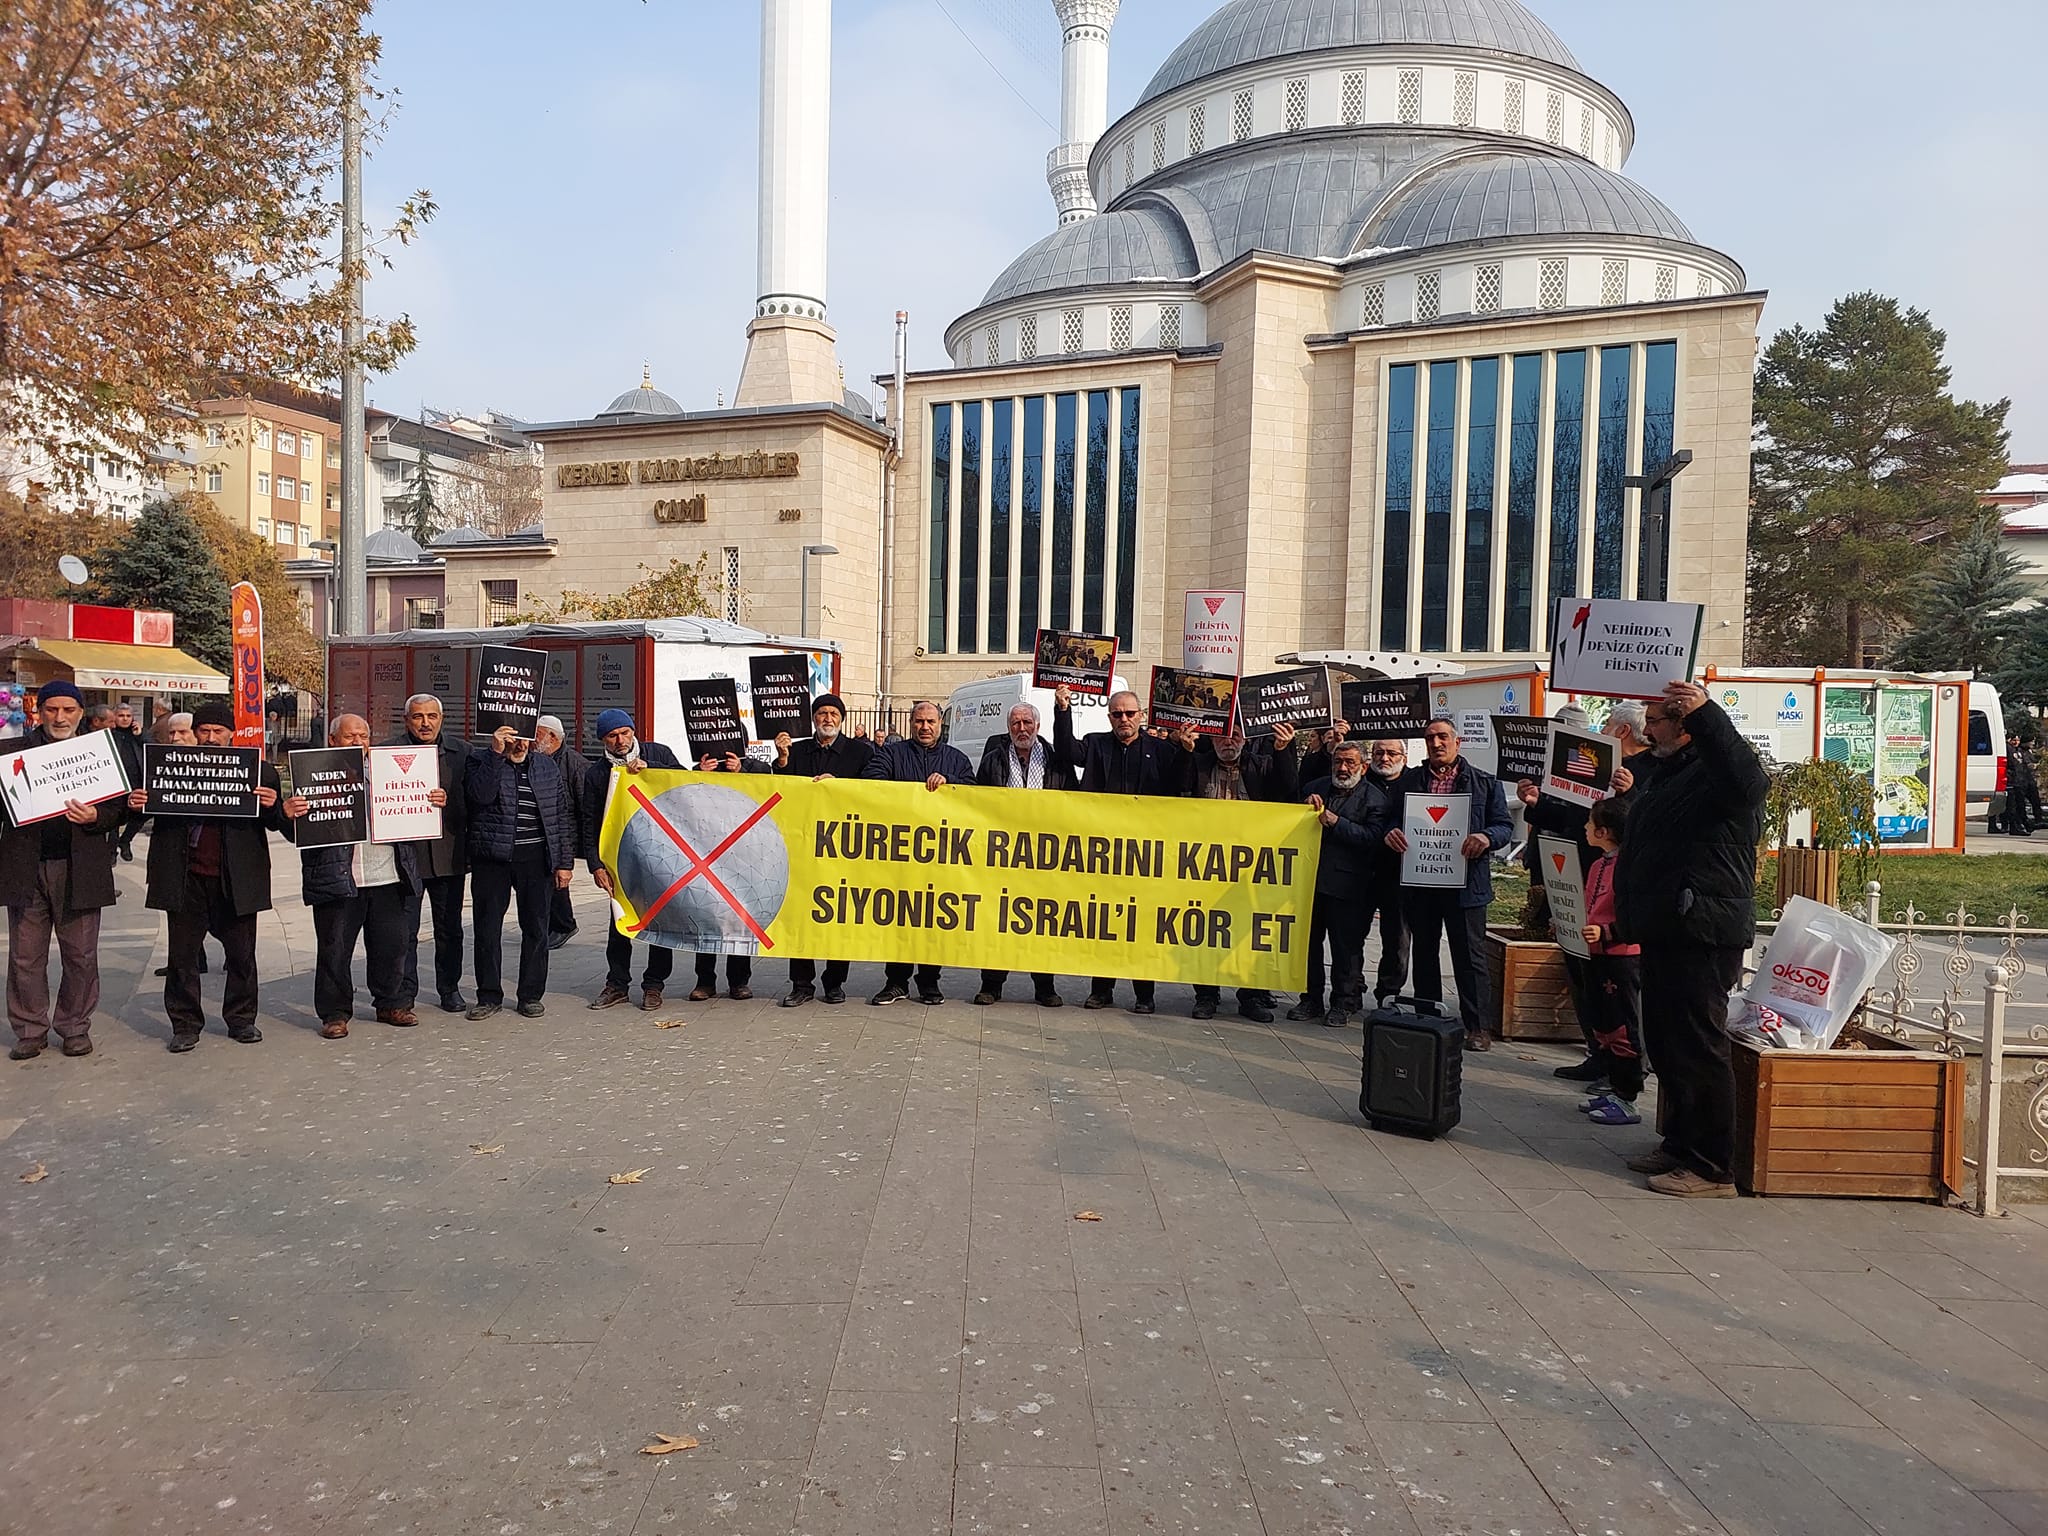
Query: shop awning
{"x": 132, "y": 668}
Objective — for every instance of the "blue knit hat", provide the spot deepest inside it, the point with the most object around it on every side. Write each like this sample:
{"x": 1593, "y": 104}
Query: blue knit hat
{"x": 59, "y": 690}
{"x": 613, "y": 720}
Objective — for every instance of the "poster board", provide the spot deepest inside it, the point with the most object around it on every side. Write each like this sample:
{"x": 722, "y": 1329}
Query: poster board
{"x": 1081, "y": 663}
{"x": 1396, "y": 707}
{"x": 1204, "y": 700}
{"x": 1622, "y": 649}
{"x": 1564, "y": 882}
{"x": 401, "y": 779}
{"x": 245, "y": 627}
{"x": 215, "y": 782}
{"x": 509, "y": 683}
{"x": 1212, "y": 633}
{"x": 334, "y": 782}
{"x": 1522, "y": 746}
{"x": 1580, "y": 766}
{"x": 1905, "y": 766}
{"x": 1299, "y": 696}
{"x": 36, "y": 783}
{"x": 779, "y": 688}
{"x": 1436, "y": 827}
{"x": 711, "y": 717}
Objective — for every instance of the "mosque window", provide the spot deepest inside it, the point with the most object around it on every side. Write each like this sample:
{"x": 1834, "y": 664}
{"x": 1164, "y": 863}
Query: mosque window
{"x": 1610, "y": 471}
{"x": 1551, "y": 287}
{"x": 1614, "y": 281}
{"x": 1130, "y": 161}
{"x": 1372, "y": 309}
{"x": 993, "y": 338}
{"x": 1241, "y": 116}
{"x": 732, "y": 585}
{"x": 1065, "y": 471}
{"x": 1486, "y": 286}
{"x": 1438, "y": 497}
{"x": 1159, "y": 144}
{"x": 1169, "y": 325}
{"x": 1660, "y": 420}
{"x": 1297, "y": 105}
{"x": 1120, "y": 328}
{"x": 1126, "y": 519}
{"x": 1354, "y": 96}
{"x": 1585, "y": 130}
{"x": 939, "y": 545}
{"x": 1397, "y": 506}
{"x": 1610, "y": 160}
{"x": 1482, "y": 440}
{"x": 1553, "y": 119}
{"x": 1706, "y": 286}
{"x": 1411, "y": 96}
{"x": 1516, "y": 104}
{"x": 1525, "y": 456}
{"x": 1465, "y": 108}
{"x": 1030, "y": 520}
{"x": 1095, "y": 542}
{"x": 1429, "y": 296}
{"x": 1001, "y": 456}
{"x": 1073, "y": 330}
{"x": 1667, "y": 282}
{"x": 1198, "y": 127}
{"x": 968, "y": 587}
{"x": 1027, "y": 337}
{"x": 1567, "y": 473}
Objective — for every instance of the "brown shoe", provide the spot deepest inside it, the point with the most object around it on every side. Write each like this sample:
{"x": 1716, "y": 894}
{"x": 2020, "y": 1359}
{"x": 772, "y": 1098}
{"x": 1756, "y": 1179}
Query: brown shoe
{"x": 1479, "y": 1040}
{"x": 740, "y": 994}
{"x": 701, "y": 994}
{"x": 78, "y": 1045}
{"x": 398, "y": 1018}
{"x": 336, "y": 1029}
{"x": 610, "y": 997}
{"x": 650, "y": 999}
{"x": 1689, "y": 1185}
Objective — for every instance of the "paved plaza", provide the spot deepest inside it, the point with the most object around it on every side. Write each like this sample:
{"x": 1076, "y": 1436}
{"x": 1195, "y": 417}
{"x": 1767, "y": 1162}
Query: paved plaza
{"x": 385, "y": 1285}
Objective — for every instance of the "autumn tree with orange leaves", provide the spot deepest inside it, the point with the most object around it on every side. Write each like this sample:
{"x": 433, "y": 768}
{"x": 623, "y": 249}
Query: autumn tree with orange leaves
{"x": 170, "y": 210}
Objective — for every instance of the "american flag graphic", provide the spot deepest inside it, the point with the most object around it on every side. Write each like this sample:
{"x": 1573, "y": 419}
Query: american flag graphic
{"x": 1582, "y": 762}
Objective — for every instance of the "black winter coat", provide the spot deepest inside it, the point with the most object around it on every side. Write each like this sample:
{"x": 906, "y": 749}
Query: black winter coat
{"x": 1148, "y": 766}
{"x": 92, "y": 849}
{"x": 244, "y": 857}
{"x": 1354, "y": 843}
{"x": 905, "y": 762}
{"x": 994, "y": 772}
{"x": 846, "y": 758}
{"x": 597, "y": 792}
{"x": 1687, "y": 873}
{"x": 1268, "y": 775}
{"x": 493, "y": 788}
{"x": 447, "y": 854}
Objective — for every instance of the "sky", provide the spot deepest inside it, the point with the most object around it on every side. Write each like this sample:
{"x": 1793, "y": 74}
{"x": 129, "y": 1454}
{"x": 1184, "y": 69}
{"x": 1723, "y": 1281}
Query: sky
{"x": 595, "y": 170}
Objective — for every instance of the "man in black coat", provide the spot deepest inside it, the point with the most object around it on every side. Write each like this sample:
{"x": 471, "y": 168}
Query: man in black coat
{"x": 55, "y": 878}
{"x": 1355, "y": 814}
{"x": 442, "y": 860}
{"x": 1685, "y": 890}
{"x": 1019, "y": 759}
{"x": 521, "y": 846}
{"x": 212, "y": 875}
{"x": 623, "y": 748}
{"x": 1240, "y": 770}
{"x": 827, "y": 753}
{"x": 1122, "y": 760}
{"x": 130, "y": 743}
{"x": 920, "y": 759}
{"x": 548, "y": 738}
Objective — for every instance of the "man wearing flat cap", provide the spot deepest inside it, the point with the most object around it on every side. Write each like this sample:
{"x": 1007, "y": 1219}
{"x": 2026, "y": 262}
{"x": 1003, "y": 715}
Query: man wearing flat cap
{"x": 623, "y": 748}
{"x": 827, "y": 753}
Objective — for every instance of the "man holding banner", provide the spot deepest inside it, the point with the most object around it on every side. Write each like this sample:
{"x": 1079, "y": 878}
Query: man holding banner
{"x": 443, "y": 861}
{"x": 1020, "y": 760}
{"x": 623, "y": 748}
{"x": 827, "y": 753}
{"x": 923, "y": 759}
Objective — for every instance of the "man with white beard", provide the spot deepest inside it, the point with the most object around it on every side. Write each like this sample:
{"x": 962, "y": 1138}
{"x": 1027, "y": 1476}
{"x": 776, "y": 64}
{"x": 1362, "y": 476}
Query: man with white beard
{"x": 1353, "y": 814}
{"x": 55, "y": 876}
{"x": 1236, "y": 769}
{"x": 827, "y": 753}
{"x": 1019, "y": 759}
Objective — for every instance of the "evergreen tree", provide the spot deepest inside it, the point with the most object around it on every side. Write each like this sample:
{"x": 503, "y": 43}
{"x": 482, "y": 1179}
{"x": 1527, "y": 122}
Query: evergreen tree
{"x": 1965, "y": 612}
{"x": 1864, "y": 465}
{"x": 2021, "y": 673}
{"x": 164, "y": 562}
{"x": 419, "y": 514}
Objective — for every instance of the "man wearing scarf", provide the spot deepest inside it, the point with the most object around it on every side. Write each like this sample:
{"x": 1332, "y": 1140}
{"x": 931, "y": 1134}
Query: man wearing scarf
{"x": 923, "y": 759}
{"x": 1352, "y": 813}
{"x": 444, "y": 860}
{"x": 1021, "y": 760}
{"x": 623, "y": 748}
{"x": 827, "y": 753}
{"x": 1236, "y": 769}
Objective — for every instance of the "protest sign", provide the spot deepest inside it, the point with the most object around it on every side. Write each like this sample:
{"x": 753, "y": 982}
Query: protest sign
{"x": 1298, "y": 696}
{"x": 1580, "y": 767}
{"x": 780, "y": 690}
{"x": 1081, "y": 663}
{"x": 711, "y": 716}
{"x": 335, "y": 783}
{"x": 1475, "y": 731}
{"x": 1619, "y": 648}
{"x": 201, "y": 781}
{"x": 1386, "y": 707}
{"x": 1200, "y": 699}
{"x": 1564, "y": 882}
{"x": 1524, "y": 742}
{"x": 1436, "y": 825}
{"x": 36, "y": 783}
{"x": 245, "y": 624}
{"x": 1212, "y": 633}
{"x": 401, "y": 779}
{"x": 509, "y": 683}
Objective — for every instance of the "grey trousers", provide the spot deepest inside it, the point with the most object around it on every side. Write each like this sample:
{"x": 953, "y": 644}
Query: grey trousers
{"x": 29, "y": 930}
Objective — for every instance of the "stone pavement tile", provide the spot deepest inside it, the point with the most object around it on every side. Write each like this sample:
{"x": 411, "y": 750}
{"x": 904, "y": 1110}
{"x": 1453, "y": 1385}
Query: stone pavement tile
{"x": 151, "y": 1415}
{"x": 1464, "y": 1478}
{"x": 1173, "y": 1471}
{"x": 1598, "y": 1166}
{"x": 692, "y": 1495}
{"x": 331, "y": 1441}
{"x": 1232, "y": 1247}
{"x": 499, "y": 1400}
{"x": 901, "y": 1340}
{"x": 1939, "y": 1276}
{"x": 573, "y": 1301}
{"x": 1602, "y": 1477}
{"x": 1095, "y": 1136}
{"x": 1022, "y": 1315}
{"x": 797, "y": 1269}
{"x": 1333, "y": 1268}
{"x": 577, "y": 1480}
{"x": 1786, "y": 1395}
{"x": 1896, "y": 1491}
{"x": 1289, "y": 1195}
{"x": 1307, "y": 1455}
{"x": 1599, "y": 1235}
{"x": 1025, "y": 1404}
{"x": 416, "y": 1338}
{"x": 2024, "y": 1510}
{"x": 1242, "y": 1320}
{"x": 1972, "y": 1437}
{"x": 418, "y": 1493}
{"x": 2021, "y": 1326}
{"x": 1007, "y": 1500}
{"x": 1797, "y": 1313}
{"x": 1019, "y": 1236}
{"x": 1013, "y": 1149}
{"x": 725, "y": 1209}
{"x": 1124, "y": 1201}
{"x": 1390, "y": 1363}
{"x": 1112, "y": 1252}
{"x": 884, "y": 1461}
{"x": 1697, "y": 1321}
{"x": 1143, "y": 1346}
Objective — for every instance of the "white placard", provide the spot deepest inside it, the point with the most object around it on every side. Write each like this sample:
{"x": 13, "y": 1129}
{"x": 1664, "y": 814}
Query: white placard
{"x": 1436, "y": 826}
{"x": 401, "y": 778}
{"x": 1212, "y": 634}
{"x": 1581, "y": 765}
{"x": 1564, "y": 882}
{"x": 1621, "y": 649}
{"x": 37, "y": 783}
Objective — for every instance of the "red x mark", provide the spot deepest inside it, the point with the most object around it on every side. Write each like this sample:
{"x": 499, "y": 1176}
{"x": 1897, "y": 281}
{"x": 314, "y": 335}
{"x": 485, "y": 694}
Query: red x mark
{"x": 702, "y": 866}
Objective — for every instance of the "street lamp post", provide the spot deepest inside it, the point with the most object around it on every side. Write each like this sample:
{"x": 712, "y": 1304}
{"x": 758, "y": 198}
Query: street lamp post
{"x": 1655, "y": 484}
{"x": 803, "y": 602}
{"x": 329, "y": 548}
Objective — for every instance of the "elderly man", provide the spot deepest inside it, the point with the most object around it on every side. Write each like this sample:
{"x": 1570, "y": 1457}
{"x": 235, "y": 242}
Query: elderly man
{"x": 1021, "y": 760}
{"x": 442, "y": 860}
{"x": 827, "y": 753}
{"x": 55, "y": 878}
{"x": 623, "y": 748}
{"x": 1353, "y": 812}
{"x": 521, "y": 845}
{"x": 1457, "y": 916}
{"x": 212, "y": 875}
{"x": 1122, "y": 760}
{"x": 129, "y": 740}
{"x": 922, "y": 759}
{"x": 359, "y": 893}
{"x": 547, "y": 740}
{"x": 1685, "y": 890}
{"x": 1236, "y": 769}
{"x": 739, "y": 968}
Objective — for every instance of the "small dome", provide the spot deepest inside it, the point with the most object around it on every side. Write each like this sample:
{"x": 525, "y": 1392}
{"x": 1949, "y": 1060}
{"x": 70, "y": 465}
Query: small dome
{"x": 1249, "y": 31}
{"x": 391, "y": 544}
{"x": 644, "y": 401}
{"x": 1135, "y": 246}
{"x": 1493, "y": 196}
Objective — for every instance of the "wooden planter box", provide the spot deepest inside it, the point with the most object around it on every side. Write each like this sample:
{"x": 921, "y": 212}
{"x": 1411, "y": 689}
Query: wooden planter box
{"x": 1884, "y": 1124}
{"x": 1532, "y": 998}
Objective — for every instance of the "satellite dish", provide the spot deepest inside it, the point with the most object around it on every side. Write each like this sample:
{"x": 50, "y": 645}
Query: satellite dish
{"x": 73, "y": 570}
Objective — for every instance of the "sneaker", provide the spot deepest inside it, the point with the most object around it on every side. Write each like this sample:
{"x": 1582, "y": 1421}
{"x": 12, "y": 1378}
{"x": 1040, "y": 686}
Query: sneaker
{"x": 932, "y": 995}
{"x": 798, "y": 996}
{"x": 484, "y": 1011}
{"x": 1478, "y": 1040}
{"x": 1258, "y": 1013}
{"x": 1655, "y": 1161}
{"x": 650, "y": 999}
{"x": 835, "y": 995}
{"x": 1587, "y": 1071}
{"x": 610, "y": 997}
{"x": 888, "y": 995}
{"x": 985, "y": 999}
{"x": 1687, "y": 1184}
{"x": 1305, "y": 1013}
{"x": 532, "y": 1010}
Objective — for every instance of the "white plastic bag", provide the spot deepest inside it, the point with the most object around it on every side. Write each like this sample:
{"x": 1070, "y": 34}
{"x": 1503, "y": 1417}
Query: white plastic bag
{"x": 1815, "y": 971}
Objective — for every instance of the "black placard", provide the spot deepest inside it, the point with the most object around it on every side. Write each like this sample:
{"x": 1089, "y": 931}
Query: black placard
{"x": 1387, "y": 707}
{"x": 1204, "y": 700}
{"x": 1080, "y": 663}
{"x": 711, "y": 717}
{"x": 334, "y": 782}
{"x": 201, "y": 781}
{"x": 1298, "y": 696}
{"x": 781, "y": 687}
{"x": 509, "y": 681}
{"x": 1524, "y": 745}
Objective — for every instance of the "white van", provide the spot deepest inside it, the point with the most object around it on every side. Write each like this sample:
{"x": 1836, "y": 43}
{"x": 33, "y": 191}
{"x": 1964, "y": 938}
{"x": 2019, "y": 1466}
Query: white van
{"x": 1984, "y": 781}
{"x": 980, "y": 710}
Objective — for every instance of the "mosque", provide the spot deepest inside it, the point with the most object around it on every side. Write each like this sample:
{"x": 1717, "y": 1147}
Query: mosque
{"x": 1354, "y": 310}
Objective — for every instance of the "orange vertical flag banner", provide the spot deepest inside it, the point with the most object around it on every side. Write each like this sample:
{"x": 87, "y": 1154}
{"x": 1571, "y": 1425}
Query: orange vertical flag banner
{"x": 245, "y": 611}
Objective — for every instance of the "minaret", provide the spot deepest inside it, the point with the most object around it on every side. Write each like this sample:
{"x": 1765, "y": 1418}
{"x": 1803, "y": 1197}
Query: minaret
{"x": 790, "y": 356}
{"x": 1084, "y": 102}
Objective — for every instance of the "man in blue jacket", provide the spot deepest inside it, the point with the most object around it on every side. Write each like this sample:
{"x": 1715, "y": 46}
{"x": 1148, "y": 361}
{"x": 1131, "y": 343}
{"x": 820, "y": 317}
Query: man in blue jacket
{"x": 623, "y": 748}
{"x": 520, "y": 846}
{"x": 922, "y": 759}
{"x": 1456, "y": 915}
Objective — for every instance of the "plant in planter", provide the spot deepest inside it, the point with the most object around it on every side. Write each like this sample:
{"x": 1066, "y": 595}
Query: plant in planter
{"x": 1842, "y": 819}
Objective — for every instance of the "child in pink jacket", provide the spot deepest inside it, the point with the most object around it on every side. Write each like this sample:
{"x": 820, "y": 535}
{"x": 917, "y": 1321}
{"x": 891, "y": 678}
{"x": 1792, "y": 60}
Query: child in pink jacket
{"x": 1614, "y": 977}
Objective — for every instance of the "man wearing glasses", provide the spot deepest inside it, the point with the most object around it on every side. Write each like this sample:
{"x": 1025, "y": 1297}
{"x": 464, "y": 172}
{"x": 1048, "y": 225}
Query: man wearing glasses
{"x": 1458, "y": 916}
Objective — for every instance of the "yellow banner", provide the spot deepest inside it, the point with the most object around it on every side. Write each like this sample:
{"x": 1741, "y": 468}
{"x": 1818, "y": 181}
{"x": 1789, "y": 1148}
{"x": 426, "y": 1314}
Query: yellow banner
{"x": 1003, "y": 879}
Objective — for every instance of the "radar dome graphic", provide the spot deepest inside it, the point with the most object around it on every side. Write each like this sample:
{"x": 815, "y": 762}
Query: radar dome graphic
{"x": 755, "y": 869}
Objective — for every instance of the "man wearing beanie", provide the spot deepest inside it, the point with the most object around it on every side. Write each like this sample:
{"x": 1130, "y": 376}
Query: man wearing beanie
{"x": 623, "y": 748}
{"x": 922, "y": 759}
{"x": 827, "y": 753}
{"x": 55, "y": 877}
{"x": 211, "y": 874}
{"x": 443, "y": 860}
